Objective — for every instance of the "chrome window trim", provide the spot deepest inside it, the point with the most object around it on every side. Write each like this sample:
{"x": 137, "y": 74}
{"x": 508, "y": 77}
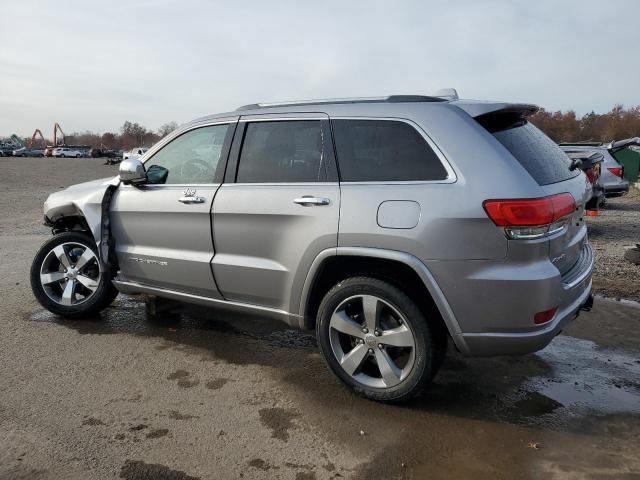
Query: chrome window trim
{"x": 451, "y": 174}
{"x": 147, "y": 186}
{"x": 279, "y": 184}
{"x": 282, "y": 119}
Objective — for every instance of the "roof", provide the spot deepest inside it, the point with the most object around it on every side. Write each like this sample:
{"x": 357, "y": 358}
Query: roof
{"x": 376, "y": 106}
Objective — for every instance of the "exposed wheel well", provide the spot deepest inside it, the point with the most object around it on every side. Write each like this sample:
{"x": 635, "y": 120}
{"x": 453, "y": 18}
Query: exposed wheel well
{"x": 71, "y": 223}
{"x": 338, "y": 268}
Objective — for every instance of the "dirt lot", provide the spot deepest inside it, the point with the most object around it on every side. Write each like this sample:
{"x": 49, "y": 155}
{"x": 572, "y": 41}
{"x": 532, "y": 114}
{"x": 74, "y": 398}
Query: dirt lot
{"x": 616, "y": 227}
{"x": 191, "y": 393}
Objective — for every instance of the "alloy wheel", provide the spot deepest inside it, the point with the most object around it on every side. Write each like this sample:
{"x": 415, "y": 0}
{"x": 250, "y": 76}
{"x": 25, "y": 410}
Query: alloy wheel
{"x": 70, "y": 274}
{"x": 372, "y": 341}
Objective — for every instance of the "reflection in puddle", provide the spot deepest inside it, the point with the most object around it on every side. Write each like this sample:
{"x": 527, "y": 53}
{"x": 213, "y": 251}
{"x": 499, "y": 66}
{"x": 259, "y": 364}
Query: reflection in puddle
{"x": 586, "y": 379}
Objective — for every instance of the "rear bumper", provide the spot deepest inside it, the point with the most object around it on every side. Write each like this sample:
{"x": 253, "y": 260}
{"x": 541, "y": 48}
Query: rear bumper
{"x": 495, "y": 303}
{"x": 486, "y": 344}
{"x": 616, "y": 190}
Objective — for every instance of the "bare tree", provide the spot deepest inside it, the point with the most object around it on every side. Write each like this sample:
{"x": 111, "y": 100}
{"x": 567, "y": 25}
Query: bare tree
{"x": 166, "y": 129}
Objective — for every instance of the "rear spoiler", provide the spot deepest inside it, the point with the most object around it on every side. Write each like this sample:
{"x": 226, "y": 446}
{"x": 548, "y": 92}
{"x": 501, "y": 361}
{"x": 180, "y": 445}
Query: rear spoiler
{"x": 477, "y": 108}
{"x": 585, "y": 159}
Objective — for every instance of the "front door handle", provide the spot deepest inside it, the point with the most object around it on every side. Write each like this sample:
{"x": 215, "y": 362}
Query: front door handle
{"x": 309, "y": 201}
{"x": 191, "y": 199}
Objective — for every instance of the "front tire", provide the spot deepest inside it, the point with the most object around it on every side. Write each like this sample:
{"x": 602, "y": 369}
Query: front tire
{"x": 66, "y": 277}
{"x": 376, "y": 340}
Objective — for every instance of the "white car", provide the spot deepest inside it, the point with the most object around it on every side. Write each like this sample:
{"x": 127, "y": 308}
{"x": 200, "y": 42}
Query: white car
{"x": 134, "y": 153}
{"x": 66, "y": 152}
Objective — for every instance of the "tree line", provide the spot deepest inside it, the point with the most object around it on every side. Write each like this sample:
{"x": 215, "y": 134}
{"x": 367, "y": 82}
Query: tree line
{"x": 561, "y": 126}
{"x": 617, "y": 124}
{"x": 131, "y": 135}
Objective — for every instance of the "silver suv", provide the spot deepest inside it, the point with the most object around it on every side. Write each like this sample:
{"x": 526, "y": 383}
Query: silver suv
{"x": 389, "y": 225}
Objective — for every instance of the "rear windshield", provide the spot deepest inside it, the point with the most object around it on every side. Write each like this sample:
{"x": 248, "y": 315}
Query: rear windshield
{"x": 538, "y": 154}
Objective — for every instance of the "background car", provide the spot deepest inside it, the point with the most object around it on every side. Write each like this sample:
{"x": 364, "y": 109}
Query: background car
{"x": 66, "y": 152}
{"x": 591, "y": 164}
{"x": 134, "y": 153}
{"x": 28, "y": 152}
{"x": 612, "y": 177}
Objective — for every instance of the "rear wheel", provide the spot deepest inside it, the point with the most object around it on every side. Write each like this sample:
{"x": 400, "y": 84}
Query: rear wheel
{"x": 376, "y": 339}
{"x": 78, "y": 155}
{"x": 66, "y": 277}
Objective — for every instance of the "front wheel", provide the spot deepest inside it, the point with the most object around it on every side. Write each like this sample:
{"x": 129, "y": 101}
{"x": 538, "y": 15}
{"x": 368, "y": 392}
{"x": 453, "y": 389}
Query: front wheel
{"x": 375, "y": 339}
{"x": 66, "y": 277}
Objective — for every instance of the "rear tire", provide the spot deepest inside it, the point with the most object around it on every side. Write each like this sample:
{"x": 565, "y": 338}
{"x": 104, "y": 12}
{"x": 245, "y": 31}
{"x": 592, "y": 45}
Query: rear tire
{"x": 375, "y": 339}
{"x": 66, "y": 278}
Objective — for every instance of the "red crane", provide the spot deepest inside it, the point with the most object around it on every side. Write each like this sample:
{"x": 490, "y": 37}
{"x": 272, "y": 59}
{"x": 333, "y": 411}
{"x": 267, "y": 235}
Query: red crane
{"x": 56, "y": 140}
{"x": 33, "y": 138}
{"x": 56, "y": 129}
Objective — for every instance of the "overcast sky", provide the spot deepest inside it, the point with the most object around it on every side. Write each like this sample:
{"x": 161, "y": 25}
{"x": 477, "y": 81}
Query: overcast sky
{"x": 94, "y": 64}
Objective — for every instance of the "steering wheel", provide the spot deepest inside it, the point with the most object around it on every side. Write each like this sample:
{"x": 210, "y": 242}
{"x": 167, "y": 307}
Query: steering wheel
{"x": 194, "y": 168}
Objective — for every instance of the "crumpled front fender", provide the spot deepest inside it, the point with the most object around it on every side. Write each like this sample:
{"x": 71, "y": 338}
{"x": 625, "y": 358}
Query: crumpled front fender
{"x": 83, "y": 200}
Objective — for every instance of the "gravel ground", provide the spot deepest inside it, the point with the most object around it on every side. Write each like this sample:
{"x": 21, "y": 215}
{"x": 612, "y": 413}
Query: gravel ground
{"x": 617, "y": 227}
{"x": 171, "y": 392}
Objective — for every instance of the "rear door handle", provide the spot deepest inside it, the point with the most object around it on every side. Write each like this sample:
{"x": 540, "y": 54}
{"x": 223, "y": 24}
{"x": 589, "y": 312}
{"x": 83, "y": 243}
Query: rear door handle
{"x": 309, "y": 201}
{"x": 191, "y": 199}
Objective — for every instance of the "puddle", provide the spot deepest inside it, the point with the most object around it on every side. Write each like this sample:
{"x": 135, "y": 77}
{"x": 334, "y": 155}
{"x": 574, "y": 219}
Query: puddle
{"x": 587, "y": 379}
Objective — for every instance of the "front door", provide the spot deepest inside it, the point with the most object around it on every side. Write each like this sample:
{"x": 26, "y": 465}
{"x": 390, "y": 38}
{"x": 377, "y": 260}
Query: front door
{"x": 277, "y": 209}
{"x": 162, "y": 229}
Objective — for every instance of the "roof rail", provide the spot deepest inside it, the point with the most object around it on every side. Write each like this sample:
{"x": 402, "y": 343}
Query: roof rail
{"x": 338, "y": 101}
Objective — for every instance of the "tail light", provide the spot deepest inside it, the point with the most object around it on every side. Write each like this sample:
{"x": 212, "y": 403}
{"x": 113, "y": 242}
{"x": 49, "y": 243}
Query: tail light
{"x": 617, "y": 171}
{"x": 591, "y": 175}
{"x": 530, "y": 218}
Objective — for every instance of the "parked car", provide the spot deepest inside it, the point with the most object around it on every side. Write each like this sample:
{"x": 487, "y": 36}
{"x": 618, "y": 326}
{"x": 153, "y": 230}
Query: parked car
{"x": 28, "y": 152}
{"x": 612, "y": 178}
{"x": 6, "y": 150}
{"x": 67, "y": 152}
{"x": 134, "y": 153}
{"x": 591, "y": 164}
{"x": 105, "y": 153}
{"x": 387, "y": 225}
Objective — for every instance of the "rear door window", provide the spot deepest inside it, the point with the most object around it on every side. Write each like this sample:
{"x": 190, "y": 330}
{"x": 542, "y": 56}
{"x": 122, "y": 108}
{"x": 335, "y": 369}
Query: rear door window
{"x": 538, "y": 154}
{"x": 282, "y": 152}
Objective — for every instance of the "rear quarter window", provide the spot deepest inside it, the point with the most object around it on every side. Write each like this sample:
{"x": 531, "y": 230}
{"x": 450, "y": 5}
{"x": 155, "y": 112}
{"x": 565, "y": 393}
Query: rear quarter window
{"x": 538, "y": 154}
{"x": 384, "y": 150}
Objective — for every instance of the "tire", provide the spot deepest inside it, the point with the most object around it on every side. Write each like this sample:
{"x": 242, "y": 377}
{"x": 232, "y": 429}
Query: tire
{"x": 70, "y": 292}
{"x": 78, "y": 156}
{"x": 356, "y": 357}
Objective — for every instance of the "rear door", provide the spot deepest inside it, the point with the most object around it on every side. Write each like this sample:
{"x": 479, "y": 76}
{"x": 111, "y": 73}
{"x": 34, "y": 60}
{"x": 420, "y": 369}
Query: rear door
{"x": 277, "y": 209}
{"x": 162, "y": 229}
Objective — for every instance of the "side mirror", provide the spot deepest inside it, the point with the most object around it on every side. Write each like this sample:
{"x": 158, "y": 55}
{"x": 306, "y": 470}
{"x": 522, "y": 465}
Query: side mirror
{"x": 132, "y": 171}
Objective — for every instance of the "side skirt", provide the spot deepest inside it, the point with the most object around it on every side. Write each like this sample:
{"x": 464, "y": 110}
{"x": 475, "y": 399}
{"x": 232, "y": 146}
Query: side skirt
{"x": 135, "y": 288}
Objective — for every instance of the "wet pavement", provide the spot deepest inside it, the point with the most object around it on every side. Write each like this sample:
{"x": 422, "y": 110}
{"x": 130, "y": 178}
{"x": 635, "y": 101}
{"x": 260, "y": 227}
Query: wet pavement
{"x": 161, "y": 390}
